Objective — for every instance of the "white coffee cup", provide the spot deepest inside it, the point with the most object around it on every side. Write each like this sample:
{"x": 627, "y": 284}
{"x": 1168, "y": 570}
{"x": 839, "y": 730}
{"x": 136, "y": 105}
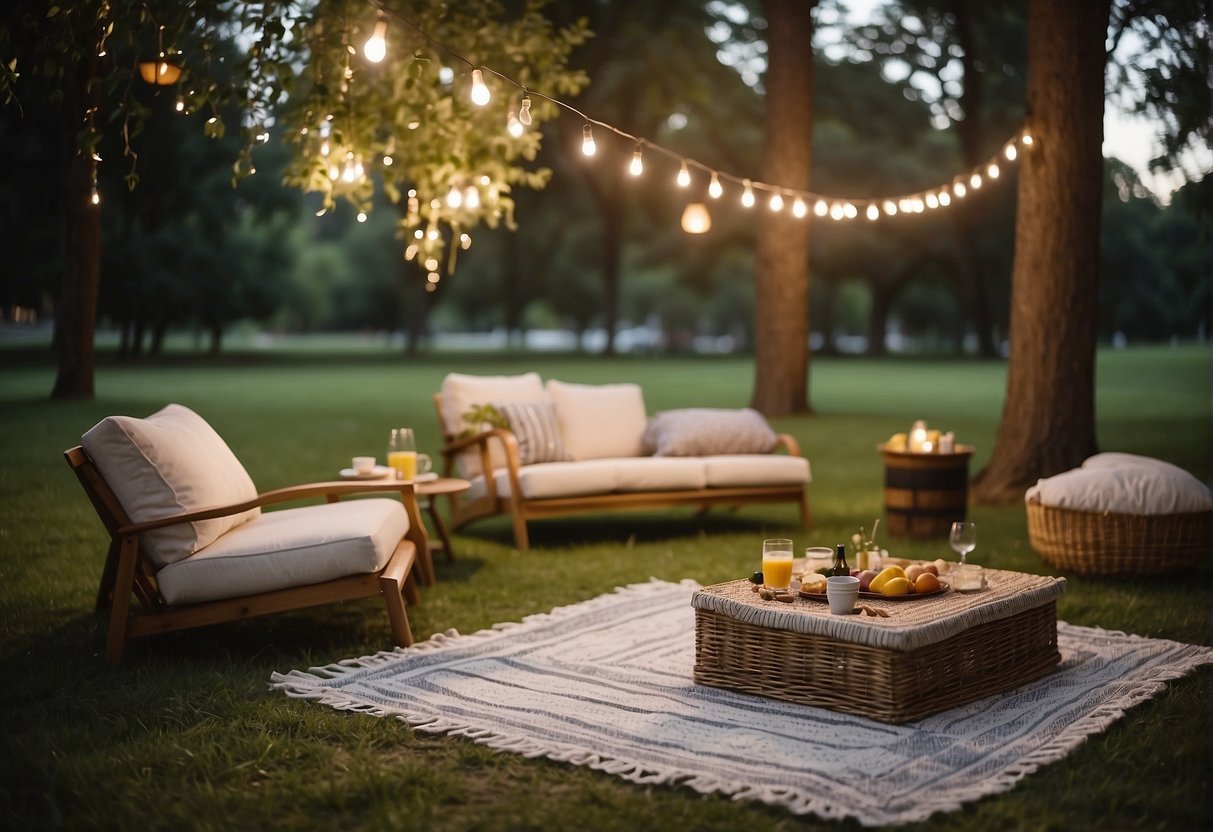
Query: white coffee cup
{"x": 842, "y": 591}
{"x": 363, "y": 464}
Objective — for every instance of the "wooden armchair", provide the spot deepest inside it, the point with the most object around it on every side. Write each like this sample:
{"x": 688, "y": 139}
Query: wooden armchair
{"x": 271, "y": 562}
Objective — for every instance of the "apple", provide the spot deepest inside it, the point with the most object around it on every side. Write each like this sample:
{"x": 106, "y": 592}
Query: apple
{"x": 865, "y": 579}
{"x": 854, "y": 573}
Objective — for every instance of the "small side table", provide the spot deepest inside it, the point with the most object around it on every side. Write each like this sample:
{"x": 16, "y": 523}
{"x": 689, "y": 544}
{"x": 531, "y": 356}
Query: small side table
{"x": 436, "y": 488}
{"x": 925, "y": 493}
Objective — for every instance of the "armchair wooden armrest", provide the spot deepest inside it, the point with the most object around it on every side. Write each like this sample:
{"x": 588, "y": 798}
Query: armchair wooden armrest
{"x": 331, "y": 490}
{"x": 787, "y": 441}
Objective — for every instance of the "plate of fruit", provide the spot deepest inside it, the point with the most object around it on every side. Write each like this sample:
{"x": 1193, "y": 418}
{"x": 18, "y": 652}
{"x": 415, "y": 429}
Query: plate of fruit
{"x": 893, "y": 583}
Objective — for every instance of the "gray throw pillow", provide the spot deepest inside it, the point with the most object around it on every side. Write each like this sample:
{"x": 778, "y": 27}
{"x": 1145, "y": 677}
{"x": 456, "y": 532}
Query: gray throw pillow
{"x": 703, "y": 431}
{"x": 534, "y": 426}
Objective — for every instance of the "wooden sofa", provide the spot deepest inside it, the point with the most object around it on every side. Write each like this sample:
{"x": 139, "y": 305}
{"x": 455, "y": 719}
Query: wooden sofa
{"x": 571, "y": 486}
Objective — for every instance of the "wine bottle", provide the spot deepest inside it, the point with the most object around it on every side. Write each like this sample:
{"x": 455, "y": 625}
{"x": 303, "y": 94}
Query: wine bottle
{"x": 840, "y": 561}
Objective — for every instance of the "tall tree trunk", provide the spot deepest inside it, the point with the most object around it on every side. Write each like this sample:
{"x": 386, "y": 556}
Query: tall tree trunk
{"x": 77, "y": 311}
{"x": 1048, "y": 418}
{"x": 781, "y": 263}
{"x": 968, "y": 224}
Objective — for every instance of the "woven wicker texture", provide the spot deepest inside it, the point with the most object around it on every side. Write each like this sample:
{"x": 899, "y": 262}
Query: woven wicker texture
{"x": 955, "y": 648}
{"x": 1094, "y": 543}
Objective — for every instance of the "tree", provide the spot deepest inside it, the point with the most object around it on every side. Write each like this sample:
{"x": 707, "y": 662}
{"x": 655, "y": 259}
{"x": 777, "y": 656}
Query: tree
{"x": 344, "y": 116}
{"x": 781, "y": 266}
{"x": 1048, "y": 417}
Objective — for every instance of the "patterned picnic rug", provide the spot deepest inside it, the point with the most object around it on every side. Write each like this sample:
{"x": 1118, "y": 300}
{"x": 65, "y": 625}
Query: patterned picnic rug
{"x": 607, "y": 683}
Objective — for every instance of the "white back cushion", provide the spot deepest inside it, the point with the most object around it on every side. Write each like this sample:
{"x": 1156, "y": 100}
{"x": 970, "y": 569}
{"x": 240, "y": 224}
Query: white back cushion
{"x": 170, "y": 463}
{"x": 599, "y": 420}
{"x": 461, "y": 392}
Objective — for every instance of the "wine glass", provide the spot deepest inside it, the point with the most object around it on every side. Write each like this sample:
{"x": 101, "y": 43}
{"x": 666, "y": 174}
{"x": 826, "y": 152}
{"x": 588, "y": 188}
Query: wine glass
{"x": 963, "y": 538}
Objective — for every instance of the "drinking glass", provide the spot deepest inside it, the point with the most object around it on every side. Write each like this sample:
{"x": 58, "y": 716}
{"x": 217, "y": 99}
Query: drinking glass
{"x": 777, "y": 563}
{"x": 402, "y": 453}
{"x": 963, "y": 538}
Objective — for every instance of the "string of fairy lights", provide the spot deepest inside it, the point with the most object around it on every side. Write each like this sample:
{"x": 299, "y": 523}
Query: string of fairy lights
{"x": 696, "y": 218}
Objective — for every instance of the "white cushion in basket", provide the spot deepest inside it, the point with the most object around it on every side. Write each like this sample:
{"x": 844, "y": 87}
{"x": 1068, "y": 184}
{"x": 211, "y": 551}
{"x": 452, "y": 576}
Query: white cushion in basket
{"x": 755, "y": 469}
{"x": 1134, "y": 488}
{"x": 460, "y": 392}
{"x": 170, "y": 463}
{"x": 289, "y": 548}
{"x": 599, "y": 420}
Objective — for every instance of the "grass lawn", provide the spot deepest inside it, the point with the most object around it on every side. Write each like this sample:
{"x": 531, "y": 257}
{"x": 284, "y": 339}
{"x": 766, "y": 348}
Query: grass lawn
{"x": 185, "y": 735}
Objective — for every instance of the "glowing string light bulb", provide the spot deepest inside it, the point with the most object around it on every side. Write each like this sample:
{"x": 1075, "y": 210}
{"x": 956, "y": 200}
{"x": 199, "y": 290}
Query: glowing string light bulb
{"x": 850, "y": 211}
{"x": 94, "y": 197}
{"x": 836, "y": 211}
{"x": 960, "y": 190}
{"x": 890, "y": 207}
{"x": 454, "y": 198}
{"x": 684, "y": 176}
{"x": 362, "y": 216}
{"x": 747, "y": 195}
{"x": 637, "y": 164}
{"x": 1027, "y": 139}
{"x": 945, "y": 199}
{"x": 992, "y": 171}
{"x": 513, "y": 126}
{"x": 799, "y": 209}
{"x": 524, "y": 110}
{"x": 714, "y": 188}
{"x": 975, "y": 181}
{"x": 471, "y": 198}
{"x": 776, "y": 202}
{"x": 873, "y": 213}
{"x": 480, "y": 92}
{"x": 588, "y": 148}
{"x": 375, "y": 47}
{"x": 1010, "y": 153}
{"x": 932, "y": 201}
{"x": 821, "y": 208}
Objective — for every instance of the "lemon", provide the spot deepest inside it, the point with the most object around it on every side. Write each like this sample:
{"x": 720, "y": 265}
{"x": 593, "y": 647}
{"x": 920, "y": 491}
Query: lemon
{"x": 884, "y": 576}
{"x": 897, "y": 586}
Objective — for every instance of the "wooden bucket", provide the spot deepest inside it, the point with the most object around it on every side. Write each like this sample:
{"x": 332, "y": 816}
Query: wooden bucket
{"x": 924, "y": 494}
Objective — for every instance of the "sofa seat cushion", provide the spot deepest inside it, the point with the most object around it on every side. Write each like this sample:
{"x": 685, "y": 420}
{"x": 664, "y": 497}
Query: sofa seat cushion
{"x": 1124, "y": 486}
{"x": 553, "y": 479}
{"x": 735, "y": 470}
{"x": 599, "y": 421}
{"x": 172, "y": 462}
{"x": 288, "y": 548}
{"x": 658, "y": 474}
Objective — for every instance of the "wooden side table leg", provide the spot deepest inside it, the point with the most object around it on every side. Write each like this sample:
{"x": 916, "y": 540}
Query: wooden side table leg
{"x": 440, "y": 527}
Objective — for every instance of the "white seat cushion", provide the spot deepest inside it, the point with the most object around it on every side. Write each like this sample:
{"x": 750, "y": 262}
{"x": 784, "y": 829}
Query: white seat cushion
{"x": 755, "y": 469}
{"x": 289, "y": 548}
{"x": 170, "y": 463}
{"x": 598, "y": 421}
{"x": 658, "y": 474}
{"x": 1144, "y": 489}
{"x": 461, "y": 392}
{"x": 554, "y": 479}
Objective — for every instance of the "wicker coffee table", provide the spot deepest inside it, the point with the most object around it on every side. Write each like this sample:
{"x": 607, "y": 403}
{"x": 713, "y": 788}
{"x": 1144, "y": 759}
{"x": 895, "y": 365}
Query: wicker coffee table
{"x": 929, "y": 655}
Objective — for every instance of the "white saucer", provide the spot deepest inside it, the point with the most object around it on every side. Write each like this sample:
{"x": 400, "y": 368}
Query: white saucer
{"x": 378, "y": 473}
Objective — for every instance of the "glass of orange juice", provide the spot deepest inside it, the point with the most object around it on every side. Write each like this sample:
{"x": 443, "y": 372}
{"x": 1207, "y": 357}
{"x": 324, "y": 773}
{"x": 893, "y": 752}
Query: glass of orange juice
{"x": 402, "y": 453}
{"x": 777, "y": 563}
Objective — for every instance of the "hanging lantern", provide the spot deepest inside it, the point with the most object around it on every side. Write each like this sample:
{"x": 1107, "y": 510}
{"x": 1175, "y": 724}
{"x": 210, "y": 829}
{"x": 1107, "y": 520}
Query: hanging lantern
{"x": 159, "y": 73}
{"x": 696, "y": 219}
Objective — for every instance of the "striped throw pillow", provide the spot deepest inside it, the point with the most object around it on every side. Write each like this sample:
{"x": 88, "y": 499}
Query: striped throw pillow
{"x": 534, "y": 426}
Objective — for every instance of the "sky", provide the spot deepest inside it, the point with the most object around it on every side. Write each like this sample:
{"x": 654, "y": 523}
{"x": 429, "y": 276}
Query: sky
{"x": 1130, "y": 138}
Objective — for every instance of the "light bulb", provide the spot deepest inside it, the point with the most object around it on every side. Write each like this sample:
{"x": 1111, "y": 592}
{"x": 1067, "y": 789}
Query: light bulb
{"x": 637, "y": 165}
{"x": 362, "y": 216}
{"x": 873, "y": 213}
{"x": 747, "y": 196}
{"x": 588, "y": 148}
{"x": 714, "y": 188}
{"x": 524, "y": 111}
{"x": 480, "y": 93}
{"x": 960, "y": 190}
{"x": 410, "y": 252}
{"x": 975, "y": 181}
{"x": 431, "y": 264}
{"x": 945, "y": 199}
{"x": 513, "y": 126}
{"x": 324, "y": 148}
{"x": 1027, "y": 139}
{"x": 387, "y": 161}
{"x": 1010, "y": 153}
{"x": 684, "y": 176}
{"x": 890, "y": 207}
{"x": 932, "y": 201}
{"x": 696, "y": 219}
{"x": 821, "y": 208}
{"x": 992, "y": 171}
{"x": 95, "y": 198}
{"x": 776, "y": 203}
{"x": 850, "y": 211}
{"x": 433, "y": 278}
{"x": 375, "y": 47}
{"x": 180, "y": 105}
{"x": 799, "y": 209}
{"x": 471, "y": 198}
{"x": 836, "y": 211}
{"x": 454, "y": 198}
{"x": 465, "y": 241}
